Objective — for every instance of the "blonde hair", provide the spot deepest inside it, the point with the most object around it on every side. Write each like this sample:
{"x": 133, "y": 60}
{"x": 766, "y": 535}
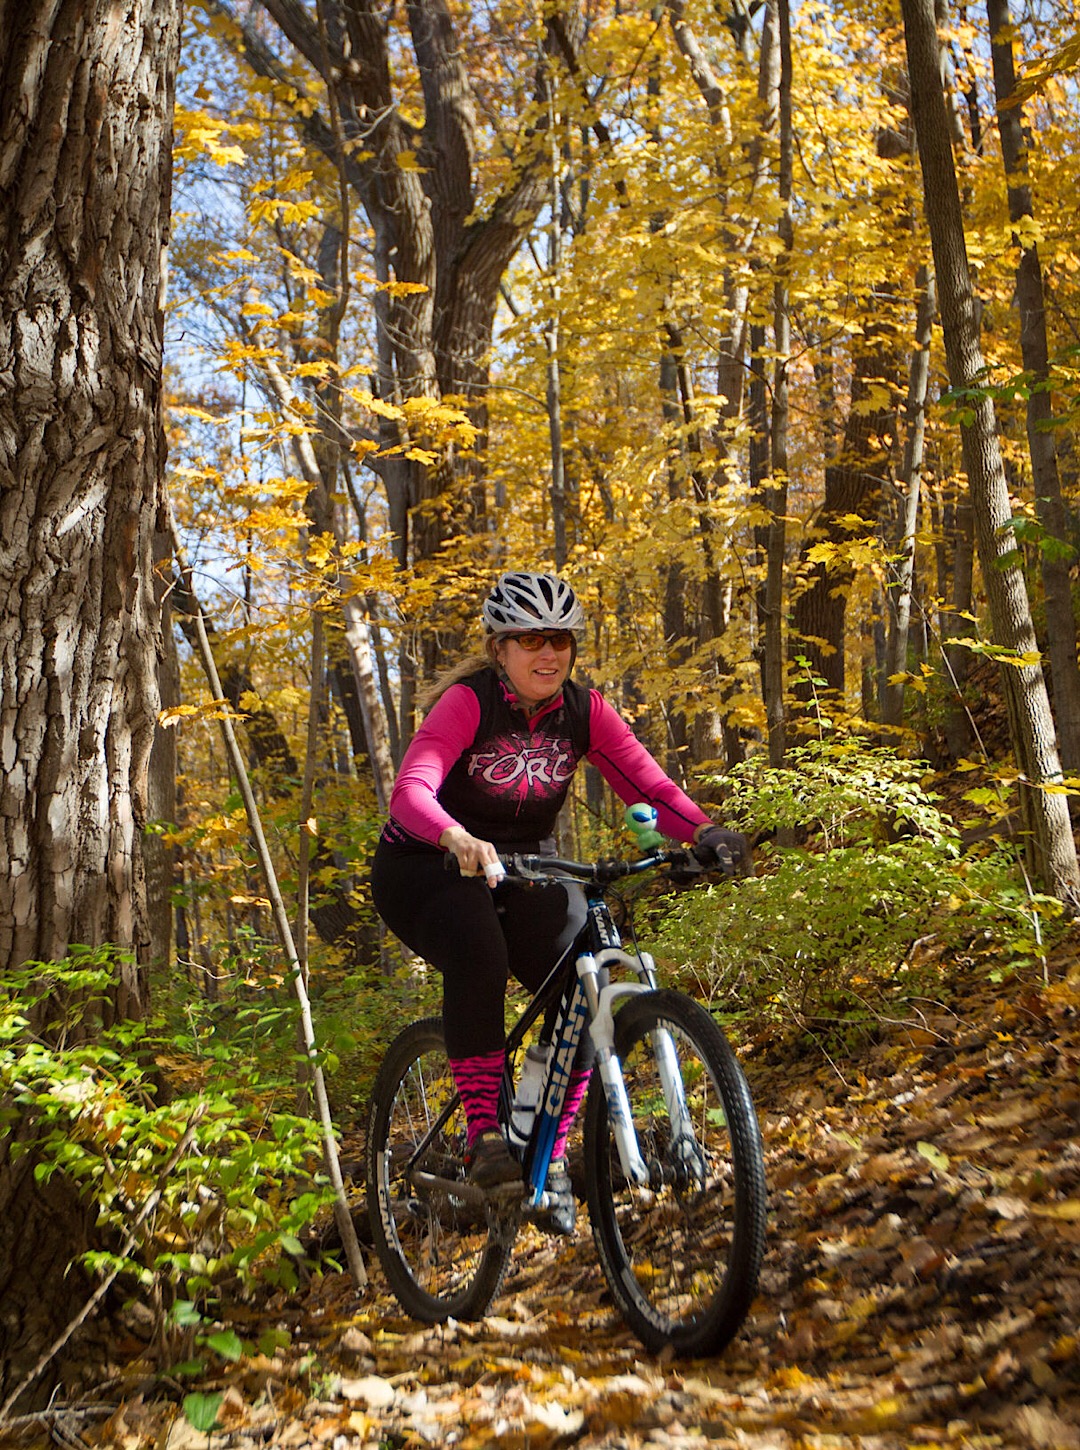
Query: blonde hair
{"x": 463, "y": 670}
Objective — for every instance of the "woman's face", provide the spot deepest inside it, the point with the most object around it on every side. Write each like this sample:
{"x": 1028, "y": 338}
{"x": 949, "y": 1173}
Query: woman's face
{"x": 536, "y": 674}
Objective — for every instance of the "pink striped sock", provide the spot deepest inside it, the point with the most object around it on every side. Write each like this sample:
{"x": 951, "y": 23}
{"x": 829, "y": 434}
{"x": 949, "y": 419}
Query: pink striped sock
{"x": 477, "y": 1080}
{"x": 575, "y": 1092}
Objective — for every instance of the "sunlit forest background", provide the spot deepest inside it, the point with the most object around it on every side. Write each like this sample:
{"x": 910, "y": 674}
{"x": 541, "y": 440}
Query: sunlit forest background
{"x": 642, "y": 294}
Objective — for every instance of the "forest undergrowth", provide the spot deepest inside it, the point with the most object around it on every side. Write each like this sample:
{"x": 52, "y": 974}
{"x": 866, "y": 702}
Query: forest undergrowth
{"x": 921, "y": 1285}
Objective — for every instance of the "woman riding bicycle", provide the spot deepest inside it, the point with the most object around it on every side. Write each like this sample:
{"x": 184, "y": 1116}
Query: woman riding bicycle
{"x": 487, "y": 773}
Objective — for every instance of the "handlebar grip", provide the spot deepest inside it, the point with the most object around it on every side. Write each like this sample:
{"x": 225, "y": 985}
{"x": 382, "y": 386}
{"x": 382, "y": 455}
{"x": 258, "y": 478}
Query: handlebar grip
{"x": 492, "y": 870}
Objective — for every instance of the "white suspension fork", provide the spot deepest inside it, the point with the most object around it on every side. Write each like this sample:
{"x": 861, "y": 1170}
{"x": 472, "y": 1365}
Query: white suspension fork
{"x": 683, "y": 1139}
{"x": 602, "y": 1027}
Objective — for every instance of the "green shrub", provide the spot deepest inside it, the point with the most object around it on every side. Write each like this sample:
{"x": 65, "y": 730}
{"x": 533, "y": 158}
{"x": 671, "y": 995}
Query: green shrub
{"x": 207, "y": 1191}
{"x": 840, "y": 791}
{"x": 823, "y": 937}
{"x": 815, "y": 938}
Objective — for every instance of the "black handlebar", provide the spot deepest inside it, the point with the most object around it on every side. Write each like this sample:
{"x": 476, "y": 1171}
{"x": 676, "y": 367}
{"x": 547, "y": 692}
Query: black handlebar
{"x": 530, "y": 867}
{"x": 551, "y": 868}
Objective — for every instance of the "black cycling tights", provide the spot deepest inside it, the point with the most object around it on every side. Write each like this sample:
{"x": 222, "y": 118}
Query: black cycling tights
{"x": 475, "y": 937}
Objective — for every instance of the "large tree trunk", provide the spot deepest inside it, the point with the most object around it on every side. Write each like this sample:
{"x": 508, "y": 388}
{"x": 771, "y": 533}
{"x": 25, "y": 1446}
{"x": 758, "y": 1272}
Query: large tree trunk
{"x": 852, "y": 489}
{"x": 434, "y": 337}
{"x": 1031, "y": 303}
{"x": 777, "y": 493}
{"x": 85, "y": 140}
{"x": 1010, "y": 616}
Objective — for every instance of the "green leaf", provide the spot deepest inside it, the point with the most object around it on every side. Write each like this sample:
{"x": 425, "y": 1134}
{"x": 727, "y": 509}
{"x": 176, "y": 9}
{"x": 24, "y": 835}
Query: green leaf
{"x": 227, "y": 1343}
{"x": 188, "y": 1369}
{"x": 185, "y": 1314}
{"x": 201, "y": 1410}
{"x": 933, "y": 1156}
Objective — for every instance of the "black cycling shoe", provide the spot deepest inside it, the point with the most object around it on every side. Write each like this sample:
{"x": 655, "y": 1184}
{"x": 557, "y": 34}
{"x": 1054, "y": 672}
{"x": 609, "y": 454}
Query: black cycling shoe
{"x": 489, "y": 1163}
{"x": 559, "y": 1215}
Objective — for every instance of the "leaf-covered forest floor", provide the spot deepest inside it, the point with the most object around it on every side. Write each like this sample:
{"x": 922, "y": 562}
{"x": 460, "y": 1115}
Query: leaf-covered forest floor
{"x": 921, "y": 1285}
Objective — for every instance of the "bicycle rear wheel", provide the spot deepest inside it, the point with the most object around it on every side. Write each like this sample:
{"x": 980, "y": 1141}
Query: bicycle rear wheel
{"x": 443, "y": 1254}
{"x": 682, "y": 1254}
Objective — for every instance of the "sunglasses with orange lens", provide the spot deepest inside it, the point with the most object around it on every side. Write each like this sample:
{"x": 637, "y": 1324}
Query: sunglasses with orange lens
{"x": 533, "y": 640}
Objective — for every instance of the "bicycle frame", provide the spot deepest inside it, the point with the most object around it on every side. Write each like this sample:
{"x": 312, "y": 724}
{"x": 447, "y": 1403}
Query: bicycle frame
{"x": 587, "y": 996}
{"x": 598, "y": 949}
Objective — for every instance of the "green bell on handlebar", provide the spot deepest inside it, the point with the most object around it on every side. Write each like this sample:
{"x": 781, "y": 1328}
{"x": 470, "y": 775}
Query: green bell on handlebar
{"x": 641, "y": 818}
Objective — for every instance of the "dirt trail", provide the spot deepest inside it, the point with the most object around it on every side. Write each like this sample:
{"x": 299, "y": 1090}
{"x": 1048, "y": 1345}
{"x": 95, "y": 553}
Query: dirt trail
{"x": 921, "y": 1288}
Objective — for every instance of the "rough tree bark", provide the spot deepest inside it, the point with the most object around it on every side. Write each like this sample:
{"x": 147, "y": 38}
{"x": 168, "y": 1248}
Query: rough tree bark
{"x": 1031, "y": 722}
{"x": 1050, "y": 506}
{"x": 86, "y": 91}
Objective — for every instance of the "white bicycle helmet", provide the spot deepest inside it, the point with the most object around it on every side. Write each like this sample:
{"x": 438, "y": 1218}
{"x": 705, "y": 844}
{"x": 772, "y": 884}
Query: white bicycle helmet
{"x": 522, "y": 601}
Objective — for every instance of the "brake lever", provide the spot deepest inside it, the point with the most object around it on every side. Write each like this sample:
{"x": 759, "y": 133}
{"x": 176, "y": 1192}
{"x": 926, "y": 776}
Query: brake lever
{"x": 685, "y": 868}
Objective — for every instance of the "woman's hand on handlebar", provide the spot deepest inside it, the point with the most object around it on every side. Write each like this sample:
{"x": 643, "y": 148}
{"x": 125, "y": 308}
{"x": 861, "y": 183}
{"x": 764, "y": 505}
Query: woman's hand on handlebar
{"x": 729, "y": 850}
{"x": 474, "y": 856}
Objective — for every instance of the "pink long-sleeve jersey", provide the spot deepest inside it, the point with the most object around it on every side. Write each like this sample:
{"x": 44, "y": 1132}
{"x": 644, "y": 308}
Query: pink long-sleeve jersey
{"x": 477, "y": 761}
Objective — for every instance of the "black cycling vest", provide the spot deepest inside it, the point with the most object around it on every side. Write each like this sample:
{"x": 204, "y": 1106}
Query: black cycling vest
{"x": 509, "y": 785}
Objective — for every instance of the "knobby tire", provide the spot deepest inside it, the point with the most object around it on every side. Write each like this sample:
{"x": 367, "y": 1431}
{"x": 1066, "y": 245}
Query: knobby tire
{"x": 682, "y": 1256}
{"x": 443, "y": 1257}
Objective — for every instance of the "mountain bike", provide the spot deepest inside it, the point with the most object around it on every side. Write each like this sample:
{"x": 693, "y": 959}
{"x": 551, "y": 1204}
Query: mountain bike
{"x": 673, "y": 1164}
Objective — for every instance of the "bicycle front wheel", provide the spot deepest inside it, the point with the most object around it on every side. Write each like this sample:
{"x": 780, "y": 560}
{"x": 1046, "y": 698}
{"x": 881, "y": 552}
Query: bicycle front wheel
{"x": 442, "y": 1254}
{"x": 682, "y": 1253}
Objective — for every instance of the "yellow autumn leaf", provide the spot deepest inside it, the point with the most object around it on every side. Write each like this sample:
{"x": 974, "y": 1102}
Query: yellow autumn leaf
{"x": 176, "y": 713}
{"x": 790, "y": 1377}
{"x": 297, "y": 180}
{"x": 373, "y": 404}
{"x": 1068, "y": 1211}
{"x": 321, "y": 550}
{"x": 403, "y": 289}
{"x": 199, "y": 134}
{"x": 299, "y": 211}
{"x": 933, "y": 1155}
{"x": 214, "y": 710}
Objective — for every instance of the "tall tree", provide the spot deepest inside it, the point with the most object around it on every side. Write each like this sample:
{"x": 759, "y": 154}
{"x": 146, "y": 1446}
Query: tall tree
{"x": 440, "y": 245}
{"x": 86, "y": 90}
{"x": 1032, "y": 725}
{"x": 901, "y": 583}
{"x": 1031, "y": 305}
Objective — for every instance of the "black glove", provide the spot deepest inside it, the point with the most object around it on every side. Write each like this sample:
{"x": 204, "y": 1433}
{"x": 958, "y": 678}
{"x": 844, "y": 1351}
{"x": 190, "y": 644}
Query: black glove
{"x": 728, "y": 850}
